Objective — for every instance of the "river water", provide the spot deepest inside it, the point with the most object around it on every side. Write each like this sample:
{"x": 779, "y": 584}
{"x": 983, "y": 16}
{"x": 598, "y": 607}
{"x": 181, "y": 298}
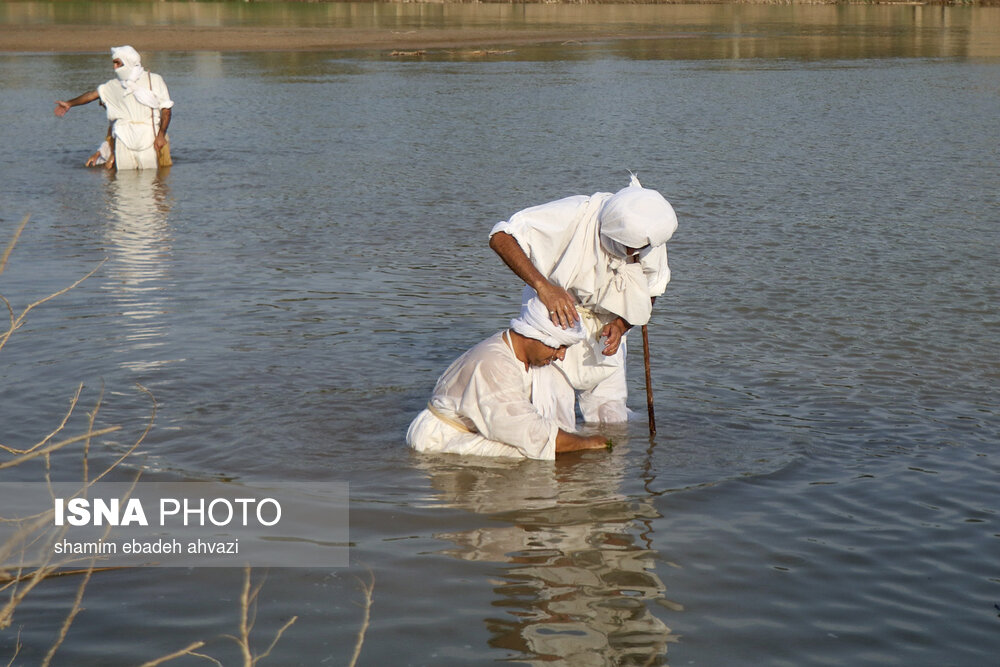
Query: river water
{"x": 823, "y": 486}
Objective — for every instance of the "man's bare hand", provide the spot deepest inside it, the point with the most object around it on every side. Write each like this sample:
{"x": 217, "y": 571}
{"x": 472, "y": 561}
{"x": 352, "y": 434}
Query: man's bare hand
{"x": 614, "y": 332}
{"x": 61, "y": 108}
{"x": 561, "y": 305}
{"x": 571, "y": 442}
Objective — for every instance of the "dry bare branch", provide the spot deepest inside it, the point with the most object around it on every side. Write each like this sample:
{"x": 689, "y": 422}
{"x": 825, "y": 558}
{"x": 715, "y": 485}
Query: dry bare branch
{"x": 62, "y": 425}
{"x": 207, "y": 657}
{"x": 178, "y": 654}
{"x": 12, "y": 243}
{"x": 5, "y": 579}
{"x": 59, "y": 445}
{"x": 19, "y": 320}
{"x": 266, "y": 653}
{"x": 17, "y": 648}
{"x": 368, "y": 590}
{"x": 70, "y": 617}
{"x": 248, "y": 617}
{"x": 135, "y": 445}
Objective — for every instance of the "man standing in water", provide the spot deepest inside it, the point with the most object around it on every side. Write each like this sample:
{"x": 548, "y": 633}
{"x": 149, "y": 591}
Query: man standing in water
{"x": 482, "y": 404}
{"x": 138, "y": 106}
{"x": 600, "y": 260}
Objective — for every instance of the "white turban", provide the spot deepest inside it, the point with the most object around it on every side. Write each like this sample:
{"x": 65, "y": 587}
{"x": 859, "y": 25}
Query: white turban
{"x": 129, "y": 74}
{"x": 534, "y": 322}
{"x": 636, "y": 217}
{"x": 131, "y": 68}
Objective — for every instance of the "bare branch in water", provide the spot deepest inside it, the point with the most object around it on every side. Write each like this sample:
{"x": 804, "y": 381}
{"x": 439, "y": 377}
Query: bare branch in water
{"x": 368, "y": 590}
{"x": 13, "y": 242}
{"x": 17, "y": 648}
{"x": 190, "y": 650}
{"x": 62, "y": 425}
{"x": 248, "y": 617}
{"x": 19, "y": 320}
{"x": 33, "y": 530}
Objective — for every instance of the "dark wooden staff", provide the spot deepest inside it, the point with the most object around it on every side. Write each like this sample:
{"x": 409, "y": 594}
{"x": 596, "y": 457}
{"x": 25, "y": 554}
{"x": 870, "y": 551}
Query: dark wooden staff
{"x": 649, "y": 378}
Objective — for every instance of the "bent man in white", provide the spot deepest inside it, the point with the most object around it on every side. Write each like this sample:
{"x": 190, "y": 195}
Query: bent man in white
{"x": 482, "y": 404}
{"x": 600, "y": 260}
{"x": 138, "y": 106}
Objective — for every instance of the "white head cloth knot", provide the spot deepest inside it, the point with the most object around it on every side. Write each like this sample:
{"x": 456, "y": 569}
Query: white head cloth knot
{"x": 534, "y": 322}
{"x": 636, "y": 217}
{"x": 130, "y": 74}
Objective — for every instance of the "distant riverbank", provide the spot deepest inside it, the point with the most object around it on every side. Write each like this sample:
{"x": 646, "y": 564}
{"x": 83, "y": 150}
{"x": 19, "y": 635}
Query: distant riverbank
{"x": 91, "y": 27}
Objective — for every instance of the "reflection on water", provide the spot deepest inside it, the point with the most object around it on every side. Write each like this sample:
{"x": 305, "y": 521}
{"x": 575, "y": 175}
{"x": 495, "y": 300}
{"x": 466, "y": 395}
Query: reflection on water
{"x": 826, "y": 392}
{"x": 579, "y": 572}
{"x": 138, "y": 238}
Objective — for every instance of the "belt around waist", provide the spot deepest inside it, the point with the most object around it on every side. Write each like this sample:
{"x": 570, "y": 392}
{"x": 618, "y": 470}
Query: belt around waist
{"x": 454, "y": 423}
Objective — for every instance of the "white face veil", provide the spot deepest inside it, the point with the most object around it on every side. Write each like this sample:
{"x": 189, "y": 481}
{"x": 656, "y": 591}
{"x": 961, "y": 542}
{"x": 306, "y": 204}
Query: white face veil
{"x": 131, "y": 68}
{"x": 534, "y": 322}
{"x": 130, "y": 74}
{"x": 636, "y": 217}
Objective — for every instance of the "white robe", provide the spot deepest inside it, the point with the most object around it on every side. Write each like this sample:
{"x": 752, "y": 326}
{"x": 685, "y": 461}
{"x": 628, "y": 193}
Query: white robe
{"x": 134, "y": 125}
{"x": 483, "y": 408}
{"x": 563, "y": 241}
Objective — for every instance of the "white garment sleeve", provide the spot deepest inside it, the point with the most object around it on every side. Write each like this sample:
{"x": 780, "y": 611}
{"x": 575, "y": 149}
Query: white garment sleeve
{"x": 543, "y": 231}
{"x": 503, "y": 411}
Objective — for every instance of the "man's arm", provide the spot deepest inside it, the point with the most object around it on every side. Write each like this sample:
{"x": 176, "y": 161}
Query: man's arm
{"x": 561, "y": 304}
{"x": 571, "y": 442}
{"x": 86, "y": 98}
{"x": 161, "y": 136}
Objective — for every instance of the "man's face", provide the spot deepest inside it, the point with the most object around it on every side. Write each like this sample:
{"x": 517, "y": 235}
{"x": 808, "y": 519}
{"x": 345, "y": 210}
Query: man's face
{"x": 540, "y": 354}
{"x": 117, "y": 62}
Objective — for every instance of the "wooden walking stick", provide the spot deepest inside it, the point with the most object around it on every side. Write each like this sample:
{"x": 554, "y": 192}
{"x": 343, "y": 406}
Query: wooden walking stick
{"x": 649, "y": 380}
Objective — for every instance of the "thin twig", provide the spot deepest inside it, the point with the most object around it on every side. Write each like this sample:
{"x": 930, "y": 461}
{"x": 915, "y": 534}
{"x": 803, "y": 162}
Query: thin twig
{"x": 368, "y": 590}
{"x": 19, "y": 320}
{"x": 13, "y": 242}
{"x": 207, "y": 657}
{"x": 77, "y": 608}
{"x": 248, "y": 618}
{"x": 135, "y": 445}
{"x": 245, "y": 624}
{"x": 10, "y": 314}
{"x": 62, "y": 425}
{"x": 59, "y": 445}
{"x": 275, "y": 641}
{"x": 7, "y": 579}
{"x": 70, "y": 617}
{"x": 176, "y": 654}
{"x": 91, "y": 418}
{"x": 17, "y": 648}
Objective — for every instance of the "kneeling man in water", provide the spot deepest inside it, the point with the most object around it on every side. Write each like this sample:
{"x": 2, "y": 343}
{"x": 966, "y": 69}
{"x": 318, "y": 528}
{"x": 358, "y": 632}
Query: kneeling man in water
{"x": 482, "y": 404}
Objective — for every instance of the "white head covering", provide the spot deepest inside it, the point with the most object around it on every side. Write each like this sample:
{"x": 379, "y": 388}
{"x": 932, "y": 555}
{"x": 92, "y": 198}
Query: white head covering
{"x": 131, "y": 68}
{"x": 130, "y": 74}
{"x": 636, "y": 217}
{"x": 534, "y": 322}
